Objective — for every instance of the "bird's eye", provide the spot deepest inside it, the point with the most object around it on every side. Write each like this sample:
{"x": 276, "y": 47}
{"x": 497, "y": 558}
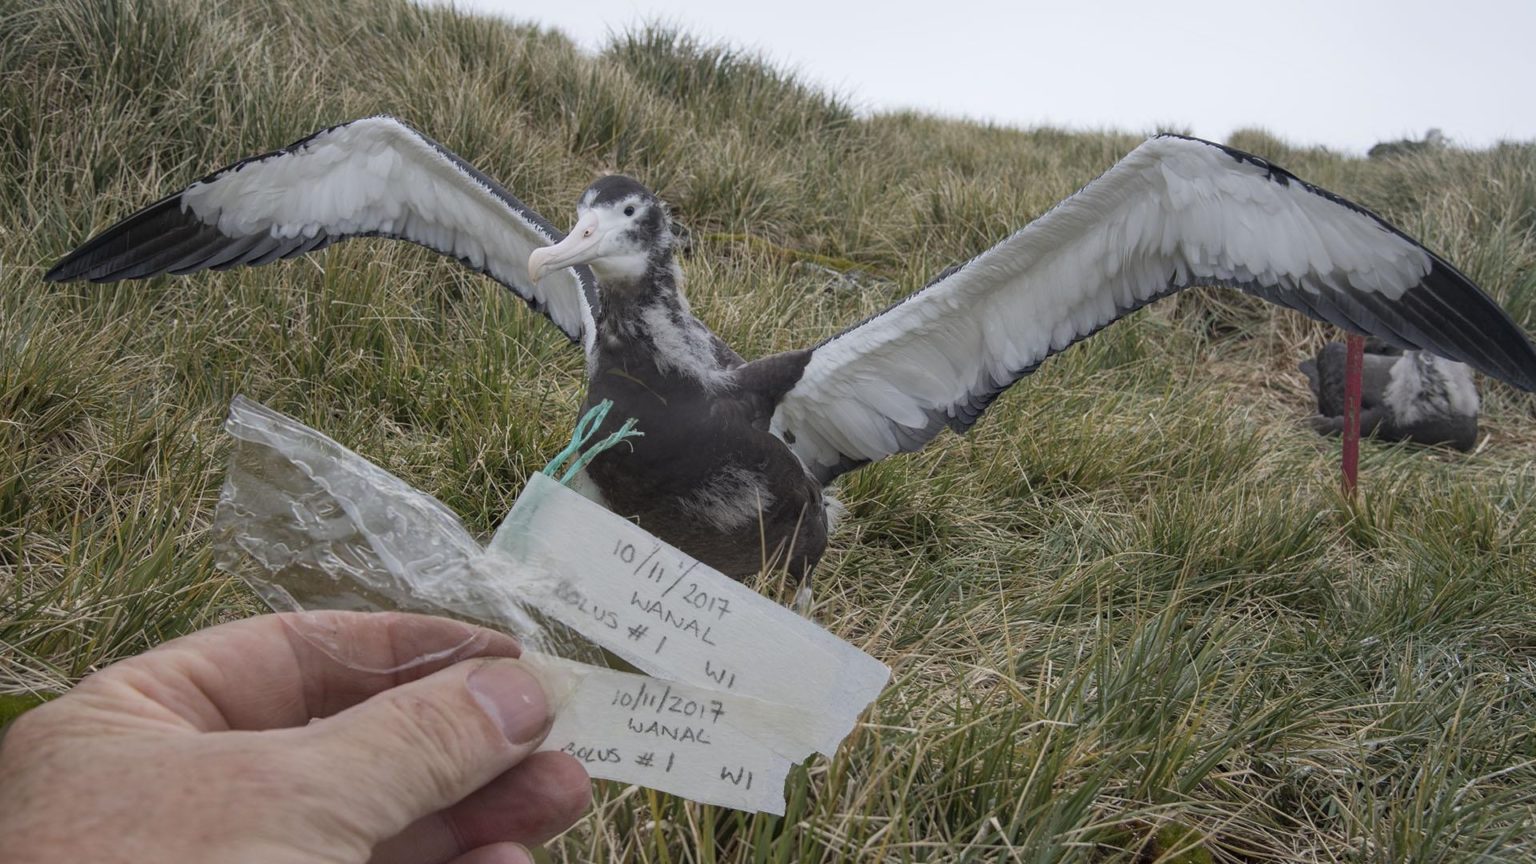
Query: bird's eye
{"x": 630, "y": 210}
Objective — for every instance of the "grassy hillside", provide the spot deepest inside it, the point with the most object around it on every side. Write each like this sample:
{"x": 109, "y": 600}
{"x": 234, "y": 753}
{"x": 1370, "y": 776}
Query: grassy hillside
{"x": 1129, "y": 617}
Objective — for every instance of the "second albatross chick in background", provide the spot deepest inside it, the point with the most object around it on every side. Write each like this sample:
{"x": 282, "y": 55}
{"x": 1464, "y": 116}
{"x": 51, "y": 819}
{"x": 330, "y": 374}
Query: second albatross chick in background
{"x": 1404, "y": 395}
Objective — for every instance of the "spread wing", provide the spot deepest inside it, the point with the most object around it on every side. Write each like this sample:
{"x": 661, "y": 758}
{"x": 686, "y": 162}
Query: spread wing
{"x": 1175, "y": 212}
{"x": 372, "y": 177}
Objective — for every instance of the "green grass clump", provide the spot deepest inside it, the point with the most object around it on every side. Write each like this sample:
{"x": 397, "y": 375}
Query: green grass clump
{"x": 1130, "y": 617}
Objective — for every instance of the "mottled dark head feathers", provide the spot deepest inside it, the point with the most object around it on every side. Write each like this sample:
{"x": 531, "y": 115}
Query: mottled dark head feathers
{"x": 613, "y": 189}
{"x": 649, "y": 225}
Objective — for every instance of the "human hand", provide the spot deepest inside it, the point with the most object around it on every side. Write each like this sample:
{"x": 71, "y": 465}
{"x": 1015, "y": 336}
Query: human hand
{"x": 198, "y": 751}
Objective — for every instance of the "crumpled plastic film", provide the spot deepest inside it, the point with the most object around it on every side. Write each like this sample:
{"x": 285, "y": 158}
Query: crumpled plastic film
{"x": 311, "y": 525}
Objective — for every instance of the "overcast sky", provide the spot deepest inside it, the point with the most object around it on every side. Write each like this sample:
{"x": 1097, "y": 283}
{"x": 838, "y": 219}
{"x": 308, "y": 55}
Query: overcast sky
{"x": 1342, "y": 73}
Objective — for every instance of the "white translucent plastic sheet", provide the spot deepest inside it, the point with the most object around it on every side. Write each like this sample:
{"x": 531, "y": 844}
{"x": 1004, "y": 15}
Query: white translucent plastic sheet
{"x": 743, "y": 689}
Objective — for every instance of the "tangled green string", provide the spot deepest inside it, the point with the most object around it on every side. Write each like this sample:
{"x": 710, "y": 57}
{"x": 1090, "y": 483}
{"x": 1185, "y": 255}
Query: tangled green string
{"x": 586, "y": 427}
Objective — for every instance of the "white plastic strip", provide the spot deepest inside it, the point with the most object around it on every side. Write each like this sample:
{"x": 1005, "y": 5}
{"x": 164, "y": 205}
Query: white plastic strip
{"x": 704, "y": 745}
{"x": 665, "y": 612}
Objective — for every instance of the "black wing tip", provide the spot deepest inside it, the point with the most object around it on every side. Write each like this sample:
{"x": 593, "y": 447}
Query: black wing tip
{"x": 1507, "y": 355}
{"x": 76, "y": 266}
{"x": 62, "y": 272}
{"x": 1517, "y": 365}
{"x": 1444, "y": 314}
{"x": 163, "y": 214}
{"x": 111, "y": 244}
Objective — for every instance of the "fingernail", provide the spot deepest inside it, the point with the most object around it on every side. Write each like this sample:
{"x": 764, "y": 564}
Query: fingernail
{"x": 512, "y": 698}
{"x": 514, "y": 853}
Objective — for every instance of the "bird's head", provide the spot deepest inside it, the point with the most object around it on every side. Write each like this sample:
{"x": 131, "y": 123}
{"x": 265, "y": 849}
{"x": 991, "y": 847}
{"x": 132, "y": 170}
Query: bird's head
{"x": 622, "y": 231}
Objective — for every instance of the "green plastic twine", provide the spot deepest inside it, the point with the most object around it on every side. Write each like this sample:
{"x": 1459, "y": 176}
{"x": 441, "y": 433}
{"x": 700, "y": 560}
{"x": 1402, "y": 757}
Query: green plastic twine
{"x": 586, "y": 427}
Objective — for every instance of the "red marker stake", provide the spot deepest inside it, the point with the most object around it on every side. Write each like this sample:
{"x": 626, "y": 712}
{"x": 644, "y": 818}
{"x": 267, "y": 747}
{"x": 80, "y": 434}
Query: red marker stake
{"x": 1354, "y": 364}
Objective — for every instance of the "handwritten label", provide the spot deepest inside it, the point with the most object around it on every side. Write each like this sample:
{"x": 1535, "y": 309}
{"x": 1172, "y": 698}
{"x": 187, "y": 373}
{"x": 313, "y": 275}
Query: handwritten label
{"x": 668, "y": 736}
{"x": 676, "y": 618}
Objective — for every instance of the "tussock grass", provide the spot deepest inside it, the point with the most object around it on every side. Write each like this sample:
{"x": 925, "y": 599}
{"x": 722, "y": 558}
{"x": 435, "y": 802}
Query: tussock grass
{"x": 1130, "y": 617}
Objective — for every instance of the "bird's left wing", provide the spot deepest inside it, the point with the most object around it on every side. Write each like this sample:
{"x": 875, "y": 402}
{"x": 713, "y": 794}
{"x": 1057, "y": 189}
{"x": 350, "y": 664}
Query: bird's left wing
{"x": 371, "y": 177}
{"x": 1174, "y": 212}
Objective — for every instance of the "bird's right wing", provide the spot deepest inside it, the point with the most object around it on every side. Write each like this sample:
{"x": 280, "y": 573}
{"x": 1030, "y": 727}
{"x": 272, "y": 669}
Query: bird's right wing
{"x": 375, "y": 176}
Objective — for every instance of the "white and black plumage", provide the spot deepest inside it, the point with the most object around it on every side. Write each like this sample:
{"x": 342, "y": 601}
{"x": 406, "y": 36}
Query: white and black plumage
{"x": 736, "y": 453}
{"x": 1404, "y": 395}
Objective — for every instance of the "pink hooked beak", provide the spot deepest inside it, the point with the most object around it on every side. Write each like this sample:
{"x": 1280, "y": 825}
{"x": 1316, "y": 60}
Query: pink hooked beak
{"x": 578, "y": 247}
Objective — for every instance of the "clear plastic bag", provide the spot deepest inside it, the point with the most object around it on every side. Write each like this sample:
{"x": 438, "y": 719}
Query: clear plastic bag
{"x": 309, "y": 524}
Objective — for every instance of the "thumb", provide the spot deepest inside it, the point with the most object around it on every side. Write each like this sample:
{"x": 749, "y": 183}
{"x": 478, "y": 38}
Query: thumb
{"x": 423, "y": 746}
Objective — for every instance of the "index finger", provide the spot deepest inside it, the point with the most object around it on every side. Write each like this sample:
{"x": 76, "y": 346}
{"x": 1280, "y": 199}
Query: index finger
{"x": 281, "y": 670}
